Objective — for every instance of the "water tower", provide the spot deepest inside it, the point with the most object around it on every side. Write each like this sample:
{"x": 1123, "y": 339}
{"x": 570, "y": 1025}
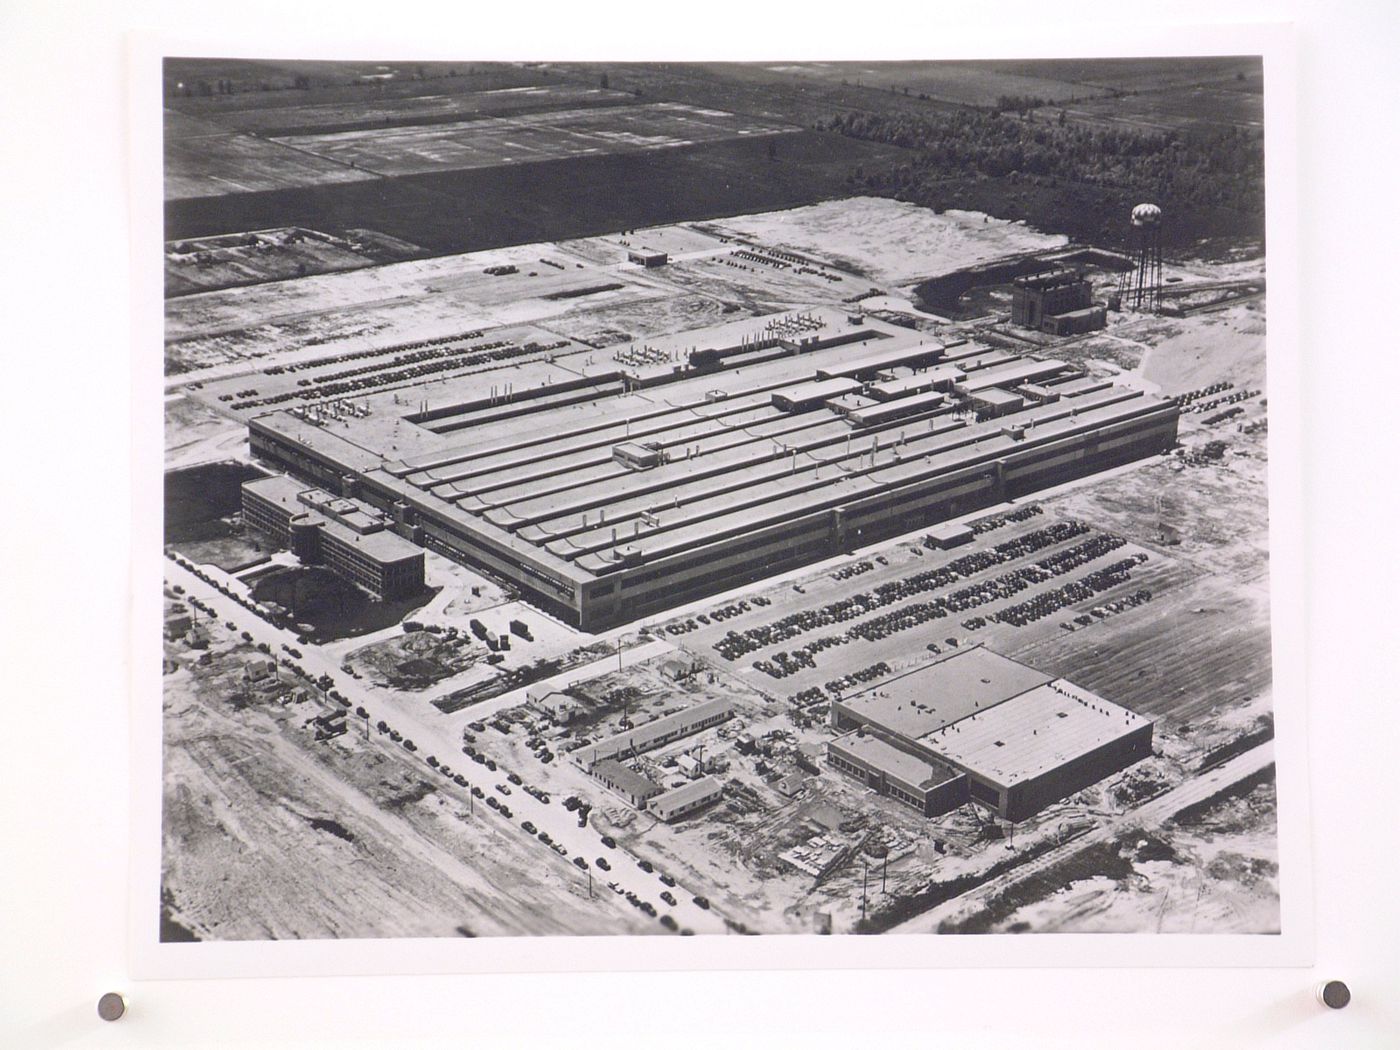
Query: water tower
{"x": 1142, "y": 285}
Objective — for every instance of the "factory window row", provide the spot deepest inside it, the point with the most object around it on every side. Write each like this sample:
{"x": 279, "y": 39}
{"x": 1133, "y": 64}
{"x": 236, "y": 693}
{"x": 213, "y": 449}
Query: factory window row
{"x": 731, "y": 576}
{"x": 908, "y": 798}
{"x": 773, "y": 539}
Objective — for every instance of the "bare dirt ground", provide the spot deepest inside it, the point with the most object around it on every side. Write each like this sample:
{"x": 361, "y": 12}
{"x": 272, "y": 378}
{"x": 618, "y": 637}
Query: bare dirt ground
{"x": 211, "y": 263}
{"x": 890, "y": 242}
{"x": 195, "y": 434}
{"x": 857, "y": 243}
{"x": 271, "y": 835}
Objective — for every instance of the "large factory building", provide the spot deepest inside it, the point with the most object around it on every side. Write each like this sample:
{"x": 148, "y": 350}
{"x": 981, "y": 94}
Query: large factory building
{"x": 983, "y": 728}
{"x": 611, "y": 489}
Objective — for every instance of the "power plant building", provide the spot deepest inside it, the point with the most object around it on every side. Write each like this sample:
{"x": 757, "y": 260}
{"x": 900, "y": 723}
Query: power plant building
{"x": 610, "y": 490}
{"x": 1059, "y": 302}
{"x": 980, "y": 727}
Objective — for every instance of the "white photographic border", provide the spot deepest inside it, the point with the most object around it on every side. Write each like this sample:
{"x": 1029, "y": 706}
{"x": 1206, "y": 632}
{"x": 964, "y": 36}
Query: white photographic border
{"x": 1293, "y": 946}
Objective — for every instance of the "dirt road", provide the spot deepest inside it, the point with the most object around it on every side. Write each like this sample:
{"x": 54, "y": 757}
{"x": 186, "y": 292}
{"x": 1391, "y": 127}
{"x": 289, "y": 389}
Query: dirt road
{"x": 1150, "y": 815}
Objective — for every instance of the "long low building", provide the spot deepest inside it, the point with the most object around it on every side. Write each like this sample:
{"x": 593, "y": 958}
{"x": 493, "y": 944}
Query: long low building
{"x": 689, "y": 798}
{"x": 657, "y": 733}
{"x": 979, "y": 727}
{"x": 322, "y": 529}
{"x": 607, "y": 491}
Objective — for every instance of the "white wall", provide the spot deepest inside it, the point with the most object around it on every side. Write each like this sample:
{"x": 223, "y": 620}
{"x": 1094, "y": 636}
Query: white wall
{"x": 63, "y": 250}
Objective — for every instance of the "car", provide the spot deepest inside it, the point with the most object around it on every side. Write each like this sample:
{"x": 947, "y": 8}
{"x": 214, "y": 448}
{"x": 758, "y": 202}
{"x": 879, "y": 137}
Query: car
{"x": 491, "y": 801}
{"x": 603, "y": 864}
{"x": 543, "y": 796}
{"x": 579, "y": 862}
{"x": 560, "y": 850}
{"x": 505, "y": 811}
{"x": 514, "y": 778}
{"x": 649, "y": 908}
{"x": 702, "y": 902}
{"x": 491, "y": 765}
{"x": 615, "y": 887}
{"x": 610, "y": 842}
{"x": 477, "y": 792}
{"x": 667, "y": 880}
{"x": 686, "y": 931}
{"x": 477, "y": 727}
{"x": 470, "y": 738}
{"x": 503, "y": 789}
{"x": 546, "y": 838}
{"x": 478, "y": 758}
{"x": 572, "y": 803}
{"x": 528, "y": 827}
{"x": 668, "y": 922}
{"x": 666, "y": 896}
{"x": 646, "y": 866}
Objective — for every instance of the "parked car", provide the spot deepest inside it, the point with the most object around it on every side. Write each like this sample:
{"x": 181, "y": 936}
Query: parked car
{"x": 603, "y": 864}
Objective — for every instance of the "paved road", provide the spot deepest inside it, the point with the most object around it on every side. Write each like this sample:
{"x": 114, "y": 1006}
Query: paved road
{"x": 440, "y": 735}
{"x": 1151, "y": 814}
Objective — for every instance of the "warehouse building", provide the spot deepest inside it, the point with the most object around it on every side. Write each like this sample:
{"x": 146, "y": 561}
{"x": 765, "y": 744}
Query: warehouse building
{"x": 657, "y": 733}
{"x": 612, "y": 491}
{"x": 628, "y": 783}
{"x": 321, "y": 529}
{"x": 686, "y": 799}
{"x": 980, "y": 727}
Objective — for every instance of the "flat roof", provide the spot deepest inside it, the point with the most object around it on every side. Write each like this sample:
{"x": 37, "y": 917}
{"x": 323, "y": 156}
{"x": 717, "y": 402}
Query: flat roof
{"x": 531, "y": 478}
{"x": 995, "y": 395}
{"x": 884, "y": 358}
{"x": 625, "y": 779}
{"x": 1034, "y": 732}
{"x": 926, "y": 699}
{"x": 641, "y": 736}
{"x": 383, "y": 546}
{"x": 890, "y": 760}
{"x": 817, "y": 390}
{"x": 704, "y": 787}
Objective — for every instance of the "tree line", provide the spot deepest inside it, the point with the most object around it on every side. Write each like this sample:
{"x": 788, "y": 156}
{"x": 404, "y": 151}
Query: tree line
{"x": 1219, "y": 167}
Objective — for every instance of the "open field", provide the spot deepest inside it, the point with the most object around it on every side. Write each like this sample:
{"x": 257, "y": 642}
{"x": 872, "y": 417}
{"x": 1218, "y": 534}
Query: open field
{"x": 527, "y": 139}
{"x": 212, "y": 263}
{"x": 963, "y": 83}
{"x": 581, "y": 196}
{"x": 889, "y": 242}
{"x": 215, "y": 165}
{"x": 269, "y": 834}
{"x": 850, "y": 245}
{"x": 363, "y": 113}
{"x": 269, "y": 84}
{"x": 1170, "y": 109}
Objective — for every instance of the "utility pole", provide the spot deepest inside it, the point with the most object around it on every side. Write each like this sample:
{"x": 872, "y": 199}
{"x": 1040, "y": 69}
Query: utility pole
{"x": 884, "y": 870}
{"x": 864, "y": 882}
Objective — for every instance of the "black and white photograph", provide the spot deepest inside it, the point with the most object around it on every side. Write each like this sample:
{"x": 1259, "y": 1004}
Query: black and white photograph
{"x": 671, "y": 499}
{"x": 732, "y": 525}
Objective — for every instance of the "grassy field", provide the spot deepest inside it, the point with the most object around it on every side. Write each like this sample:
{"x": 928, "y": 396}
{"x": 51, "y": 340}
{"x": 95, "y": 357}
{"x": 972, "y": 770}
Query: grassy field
{"x": 528, "y": 138}
{"x": 210, "y": 165}
{"x": 389, "y": 111}
{"x": 1171, "y": 109}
